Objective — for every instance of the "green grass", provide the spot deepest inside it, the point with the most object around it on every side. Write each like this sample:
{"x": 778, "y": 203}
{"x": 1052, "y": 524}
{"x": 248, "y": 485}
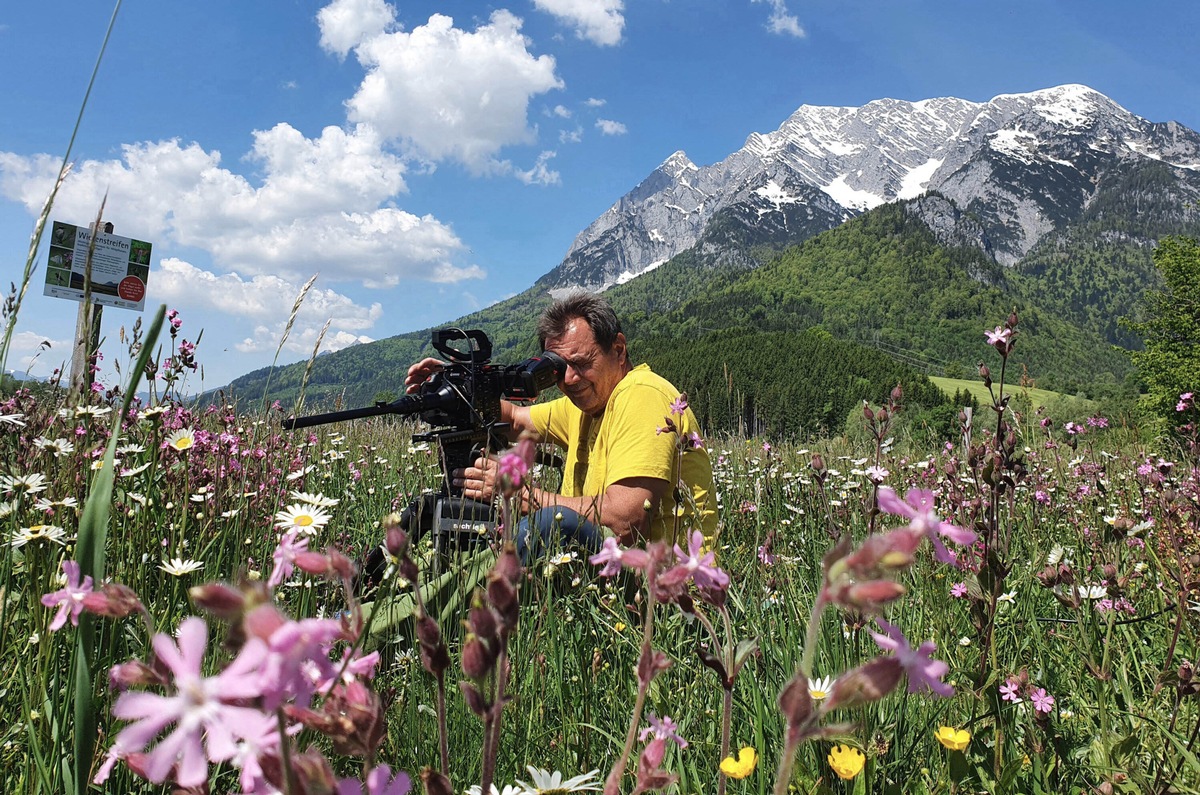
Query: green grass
{"x": 576, "y": 649}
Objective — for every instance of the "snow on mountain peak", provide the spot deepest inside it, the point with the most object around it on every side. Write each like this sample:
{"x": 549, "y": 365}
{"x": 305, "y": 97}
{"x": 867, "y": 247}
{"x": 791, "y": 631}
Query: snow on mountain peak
{"x": 888, "y": 149}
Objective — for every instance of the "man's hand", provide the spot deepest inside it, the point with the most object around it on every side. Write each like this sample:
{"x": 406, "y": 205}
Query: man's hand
{"x": 420, "y": 372}
{"x": 478, "y": 482}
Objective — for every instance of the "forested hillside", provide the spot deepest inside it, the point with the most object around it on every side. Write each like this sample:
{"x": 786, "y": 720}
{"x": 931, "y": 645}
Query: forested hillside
{"x": 882, "y": 279}
{"x": 784, "y": 384}
{"x": 1096, "y": 272}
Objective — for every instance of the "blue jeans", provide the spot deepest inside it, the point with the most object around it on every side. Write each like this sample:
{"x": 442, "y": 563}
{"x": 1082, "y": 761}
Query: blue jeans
{"x": 554, "y": 534}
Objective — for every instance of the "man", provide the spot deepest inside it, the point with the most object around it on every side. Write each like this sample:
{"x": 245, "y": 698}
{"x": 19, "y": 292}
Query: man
{"x": 634, "y": 461}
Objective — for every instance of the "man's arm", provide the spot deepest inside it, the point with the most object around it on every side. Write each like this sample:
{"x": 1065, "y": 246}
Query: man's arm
{"x": 622, "y": 507}
{"x": 517, "y": 416}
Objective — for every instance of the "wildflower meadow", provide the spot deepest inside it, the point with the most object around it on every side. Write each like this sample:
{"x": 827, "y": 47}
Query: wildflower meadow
{"x": 184, "y": 610}
{"x": 183, "y": 607}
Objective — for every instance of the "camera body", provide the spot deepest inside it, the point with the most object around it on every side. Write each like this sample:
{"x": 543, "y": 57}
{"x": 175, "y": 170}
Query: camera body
{"x": 462, "y": 404}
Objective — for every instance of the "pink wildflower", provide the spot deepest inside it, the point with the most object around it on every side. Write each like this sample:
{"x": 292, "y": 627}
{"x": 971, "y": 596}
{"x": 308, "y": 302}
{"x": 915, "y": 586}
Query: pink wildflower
{"x": 298, "y": 657}
{"x": 205, "y": 722}
{"x": 923, "y": 672}
{"x": 958, "y": 590}
{"x": 613, "y": 556}
{"x": 379, "y": 782}
{"x": 765, "y": 556}
{"x": 291, "y": 545}
{"x": 69, "y": 598}
{"x": 513, "y": 468}
{"x": 701, "y": 566}
{"x": 1000, "y": 339}
{"x": 1010, "y": 691}
{"x": 662, "y": 729}
{"x": 1042, "y": 701}
{"x": 918, "y": 508}
{"x": 679, "y": 405}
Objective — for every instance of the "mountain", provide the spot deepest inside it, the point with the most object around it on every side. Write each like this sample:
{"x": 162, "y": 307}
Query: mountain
{"x": 906, "y": 226}
{"x": 1021, "y": 165}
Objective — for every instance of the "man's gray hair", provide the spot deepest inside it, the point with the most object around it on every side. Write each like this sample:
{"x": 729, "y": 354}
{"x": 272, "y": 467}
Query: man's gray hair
{"x": 596, "y": 311}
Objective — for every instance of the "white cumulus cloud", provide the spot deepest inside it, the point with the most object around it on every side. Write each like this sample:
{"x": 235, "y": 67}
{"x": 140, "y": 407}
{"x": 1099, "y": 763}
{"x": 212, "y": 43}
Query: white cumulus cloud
{"x": 317, "y": 206}
{"x": 445, "y": 93}
{"x": 345, "y": 24}
{"x": 610, "y": 127}
{"x": 598, "y": 21}
{"x": 265, "y": 302}
{"x": 29, "y": 349}
{"x": 781, "y": 20}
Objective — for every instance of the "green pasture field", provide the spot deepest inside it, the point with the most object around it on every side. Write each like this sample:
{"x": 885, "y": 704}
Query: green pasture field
{"x": 1039, "y": 397}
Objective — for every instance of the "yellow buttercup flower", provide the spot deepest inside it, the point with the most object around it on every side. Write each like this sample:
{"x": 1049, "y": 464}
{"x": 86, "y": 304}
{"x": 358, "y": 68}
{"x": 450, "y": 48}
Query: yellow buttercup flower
{"x": 954, "y": 739}
{"x": 741, "y": 764}
{"x": 846, "y": 761}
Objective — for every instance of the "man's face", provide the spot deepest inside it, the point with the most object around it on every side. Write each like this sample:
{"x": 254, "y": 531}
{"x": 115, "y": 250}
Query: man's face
{"x": 592, "y": 374}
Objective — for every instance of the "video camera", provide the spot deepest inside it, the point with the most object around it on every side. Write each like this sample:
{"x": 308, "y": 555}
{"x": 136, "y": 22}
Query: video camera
{"x": 462, "y": 402}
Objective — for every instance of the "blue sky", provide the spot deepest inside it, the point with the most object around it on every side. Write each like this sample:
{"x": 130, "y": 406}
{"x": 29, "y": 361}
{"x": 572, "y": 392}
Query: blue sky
{"x": 426, "y": 159}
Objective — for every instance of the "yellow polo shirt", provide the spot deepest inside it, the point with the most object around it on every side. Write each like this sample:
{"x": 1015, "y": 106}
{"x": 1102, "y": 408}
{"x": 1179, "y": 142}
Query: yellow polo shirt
{"x": 624, "y": 443}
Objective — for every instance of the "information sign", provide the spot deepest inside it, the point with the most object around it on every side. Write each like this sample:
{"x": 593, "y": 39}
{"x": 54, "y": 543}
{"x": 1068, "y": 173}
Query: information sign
{"x": 120, "y": 267}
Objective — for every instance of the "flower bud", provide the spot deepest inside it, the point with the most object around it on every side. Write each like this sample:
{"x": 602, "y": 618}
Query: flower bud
{"x": 408, "y": 569}
{"x": 311, "y": 771}
{"x": 795, "y": 702}
{"x": 435, "y": 783}
{"x": 113, "y": 601}
{"x": 395, "y": 541}
{"x": 503, "y": 597}
{"x": 865, "y": 597}
{"x": 508, "y": 565}
{"x": 476, "y": 701}
{"x": 865, "y": 684}
{"x": 219, "y": 599}
{"x": 867, "y": 412}
{"x": 481, "y": 620}
{"x": 262, "y": 621}
{"x": 123, "y": 676}
{"x": 428, "y": 632}
{"x": 478, "y": 657}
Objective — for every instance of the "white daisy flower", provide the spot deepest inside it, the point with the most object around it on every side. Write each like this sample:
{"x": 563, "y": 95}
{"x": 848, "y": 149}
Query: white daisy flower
{"x": 38, "y": 532}
{"x": 305, "y": 518}
{"x": 17, "y": 420}
{"x": 545, "y": 781}
{"x": 317, "y": 500}
{"x": 178, "y": 567}
{"x": 182, "y": 439}
{"x": 820, "y": 688}
{"x": 23, "y": 484}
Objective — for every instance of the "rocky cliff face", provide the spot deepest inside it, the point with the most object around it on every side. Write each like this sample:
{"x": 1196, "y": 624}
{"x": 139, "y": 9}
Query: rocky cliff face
{"x": 1011, "y": 170}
